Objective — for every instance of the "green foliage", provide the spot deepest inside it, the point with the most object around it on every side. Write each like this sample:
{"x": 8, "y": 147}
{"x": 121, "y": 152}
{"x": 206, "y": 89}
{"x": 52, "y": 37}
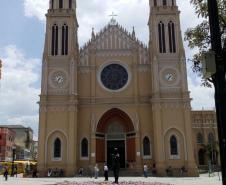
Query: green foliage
{"x": 199, "y": 36}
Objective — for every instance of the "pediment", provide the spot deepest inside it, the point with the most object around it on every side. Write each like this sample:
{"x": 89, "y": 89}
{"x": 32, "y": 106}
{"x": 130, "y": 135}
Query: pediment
{"x": 114, "y": 40}
{"x": 113, "y": 36}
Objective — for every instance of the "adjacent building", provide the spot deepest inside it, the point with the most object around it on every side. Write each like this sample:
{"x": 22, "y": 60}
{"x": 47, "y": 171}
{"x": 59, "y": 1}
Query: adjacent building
{"x": 23, "y": 141}
{"x": 205, "y": 138}
{"x": 7, "y": 142}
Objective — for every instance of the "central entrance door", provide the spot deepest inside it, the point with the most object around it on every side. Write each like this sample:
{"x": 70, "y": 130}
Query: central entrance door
{"x": 120, "y": 145}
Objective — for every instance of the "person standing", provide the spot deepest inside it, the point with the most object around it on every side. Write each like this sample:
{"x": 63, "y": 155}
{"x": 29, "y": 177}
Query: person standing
{"x": 96, "y": 171}
{"x": 116, "y": 165}
{"x": 106, "y": 172}
{"x": 145, "y": 171}
{"x": 6, "y": 173}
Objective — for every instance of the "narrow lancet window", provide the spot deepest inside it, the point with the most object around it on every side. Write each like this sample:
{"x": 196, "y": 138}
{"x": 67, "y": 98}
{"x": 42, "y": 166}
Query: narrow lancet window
{"x": 173, "y": 145}
{"x": 172, "y": 38}
{"x": 84, "y": 148}
{"x": 155, "y": 2}
{"x": 70, "y": 4}
{"x": 162, "y": 42}
{"x": 52, "y": 4}
{"x": 173, "y": 3}
{"x": 60, "y": 4}
{"x": 54, "y": 50}
{"x": 57, "y": 148}
{"x": 146, "y": 147}
{"x": 64, "y": 40}
{"x": 164, "y": 2}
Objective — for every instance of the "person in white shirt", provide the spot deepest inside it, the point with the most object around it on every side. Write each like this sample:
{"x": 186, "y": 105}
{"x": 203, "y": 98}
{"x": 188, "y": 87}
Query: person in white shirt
{"x": 145, "y": 171}
{"x": 106, "y": 172}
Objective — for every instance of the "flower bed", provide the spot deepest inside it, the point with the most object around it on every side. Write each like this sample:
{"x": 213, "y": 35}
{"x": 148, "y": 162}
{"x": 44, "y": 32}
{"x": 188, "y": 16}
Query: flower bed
{"x": 110, "y": 183}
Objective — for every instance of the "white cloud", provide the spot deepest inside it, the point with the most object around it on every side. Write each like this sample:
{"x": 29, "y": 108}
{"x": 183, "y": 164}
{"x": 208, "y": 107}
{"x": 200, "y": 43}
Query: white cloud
{"x": 36, "y": 8}
{"x": 18, "y": 93}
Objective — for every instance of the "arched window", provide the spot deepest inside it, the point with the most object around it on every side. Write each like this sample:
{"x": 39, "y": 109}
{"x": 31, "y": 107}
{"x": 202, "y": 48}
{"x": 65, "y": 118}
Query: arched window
{"x": 155, "y": 2}
{"x": 210, "y": 138}
{"x": 162, "y": 43}
{"x": 54, "y": 49}
{"x": 199, "y": 138}
{"x": 60, "y": 4}
{"x": 57, "y": 148}
{"x": 64, "y": 40}
{"x": 173, "y": 145}
{"x": 164, "y": 2}
{"x": 146, "y": 147}
{"x": 172, "y": 38}
{"x": 70, "y": 4}
{"x": 84, "y": 148}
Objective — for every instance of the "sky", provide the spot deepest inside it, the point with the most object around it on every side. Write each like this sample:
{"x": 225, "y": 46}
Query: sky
{"x": 22, "y": 36}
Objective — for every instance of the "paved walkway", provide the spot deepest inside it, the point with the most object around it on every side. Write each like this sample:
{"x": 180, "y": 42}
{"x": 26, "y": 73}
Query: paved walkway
{"x": 202, "y": 180}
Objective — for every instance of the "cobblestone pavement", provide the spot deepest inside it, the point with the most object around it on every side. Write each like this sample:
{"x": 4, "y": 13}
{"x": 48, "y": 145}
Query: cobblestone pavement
{"x": 202, "y": 180}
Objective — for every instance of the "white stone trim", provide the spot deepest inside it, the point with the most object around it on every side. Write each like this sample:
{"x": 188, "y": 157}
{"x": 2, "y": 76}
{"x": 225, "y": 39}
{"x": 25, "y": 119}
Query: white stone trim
{"x": 47, "y": 139}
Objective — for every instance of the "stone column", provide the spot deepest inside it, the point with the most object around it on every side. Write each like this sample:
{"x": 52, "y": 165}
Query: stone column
{"x": 138, "y": 152}
{"x": 93, "y": 150}
{"x": 72, "y": 140}
{"x": 189, "y": 155}
{"x": 159, "y": 153}
{"x": 42, "y": 142}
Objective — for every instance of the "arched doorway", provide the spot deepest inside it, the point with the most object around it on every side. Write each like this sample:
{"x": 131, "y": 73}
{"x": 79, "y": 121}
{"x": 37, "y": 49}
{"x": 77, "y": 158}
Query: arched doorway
{"x": 115, "y": 130}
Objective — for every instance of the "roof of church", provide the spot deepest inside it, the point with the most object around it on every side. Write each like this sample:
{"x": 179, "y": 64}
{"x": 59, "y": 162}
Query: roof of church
{"x": 114, "y": 28}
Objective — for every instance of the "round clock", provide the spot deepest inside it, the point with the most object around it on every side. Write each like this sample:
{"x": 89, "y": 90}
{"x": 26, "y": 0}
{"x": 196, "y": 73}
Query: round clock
{"x": 58, "y": 79}
{"x": 114, "y": 77}
{"x": 169, "y": 77}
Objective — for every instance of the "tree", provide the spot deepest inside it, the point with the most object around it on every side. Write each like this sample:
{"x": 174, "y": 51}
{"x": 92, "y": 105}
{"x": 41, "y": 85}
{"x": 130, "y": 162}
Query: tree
{"x": 199, "y": 36}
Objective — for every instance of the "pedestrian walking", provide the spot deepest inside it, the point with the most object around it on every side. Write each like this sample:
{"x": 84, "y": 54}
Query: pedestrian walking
{"x": 106, "y": 172}
{"x": 116, "y": 165}
{"x": 145, "y": 171}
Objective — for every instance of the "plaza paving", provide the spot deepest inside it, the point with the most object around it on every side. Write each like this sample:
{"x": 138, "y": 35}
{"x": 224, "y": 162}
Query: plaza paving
{"x": 202, "y": 180}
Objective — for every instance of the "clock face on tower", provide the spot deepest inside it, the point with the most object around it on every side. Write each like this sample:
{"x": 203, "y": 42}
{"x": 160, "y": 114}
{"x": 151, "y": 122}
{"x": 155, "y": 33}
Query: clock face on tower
{"x": 58, "y": 79}
{"x": 169, "y": 76}
{"x": 114, "y": 77}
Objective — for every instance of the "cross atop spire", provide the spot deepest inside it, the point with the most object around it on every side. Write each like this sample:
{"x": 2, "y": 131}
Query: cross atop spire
{"x": 113, "y": 20}
{"x": 113, "y": 15}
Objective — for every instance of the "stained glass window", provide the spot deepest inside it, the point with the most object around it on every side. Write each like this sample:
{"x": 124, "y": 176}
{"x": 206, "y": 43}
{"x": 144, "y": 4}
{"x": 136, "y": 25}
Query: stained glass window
{"x": 114, "y": 77}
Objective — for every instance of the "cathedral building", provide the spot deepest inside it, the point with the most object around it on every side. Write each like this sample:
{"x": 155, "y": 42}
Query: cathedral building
{"x": 115, "y": 92}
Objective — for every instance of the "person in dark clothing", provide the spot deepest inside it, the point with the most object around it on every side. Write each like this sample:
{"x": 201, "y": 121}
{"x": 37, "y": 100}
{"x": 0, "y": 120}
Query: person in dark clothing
{"x": 116, "y": 165}
{"x": 6, "y": 173}
{"x": 106, "y": 172}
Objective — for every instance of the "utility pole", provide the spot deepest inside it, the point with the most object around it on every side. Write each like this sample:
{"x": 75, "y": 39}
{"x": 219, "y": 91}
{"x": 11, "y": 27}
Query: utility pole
{"x": 219, "y": 82}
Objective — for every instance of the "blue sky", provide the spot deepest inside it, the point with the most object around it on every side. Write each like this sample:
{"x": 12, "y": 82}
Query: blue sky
{"x": 22, "y": 39}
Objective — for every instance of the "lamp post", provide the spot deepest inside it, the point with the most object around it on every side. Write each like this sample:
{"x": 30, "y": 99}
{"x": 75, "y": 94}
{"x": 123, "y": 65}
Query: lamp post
{"x": 13, "y": 159}
{"x": 219, "y": 81}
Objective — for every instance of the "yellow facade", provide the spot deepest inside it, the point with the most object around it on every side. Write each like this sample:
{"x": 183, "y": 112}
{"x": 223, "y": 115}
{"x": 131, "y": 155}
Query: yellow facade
{"x": 115, "y": 92}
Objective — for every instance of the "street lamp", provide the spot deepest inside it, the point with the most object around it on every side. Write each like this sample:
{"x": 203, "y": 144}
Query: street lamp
{"x": 13, "y": 159}
{"x": 219, "y": 81}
